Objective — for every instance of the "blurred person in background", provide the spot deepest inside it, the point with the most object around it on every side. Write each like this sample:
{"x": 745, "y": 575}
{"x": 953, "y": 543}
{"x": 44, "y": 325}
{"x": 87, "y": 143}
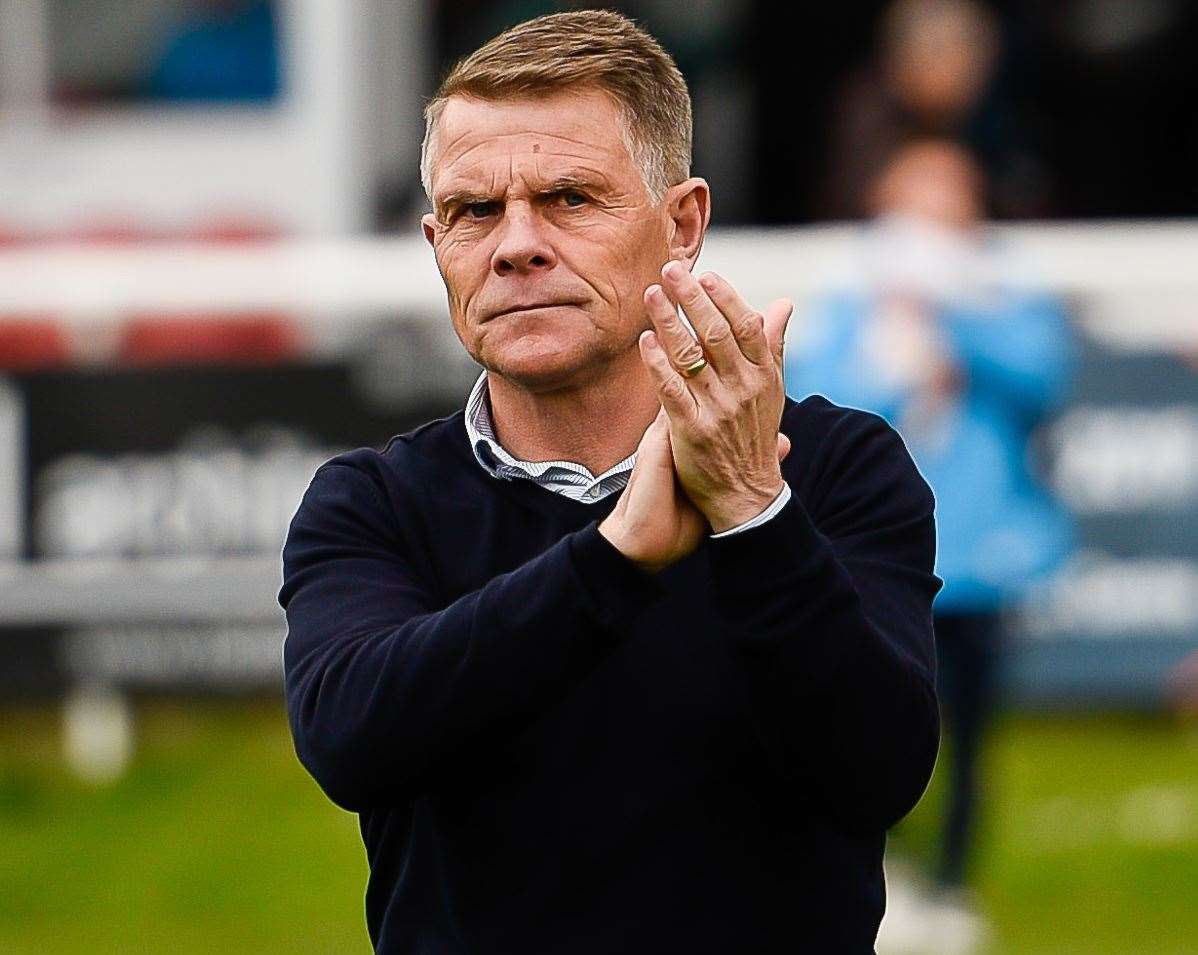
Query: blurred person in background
{"x": 939, "y": 327}
{"x": 937, "y": 73}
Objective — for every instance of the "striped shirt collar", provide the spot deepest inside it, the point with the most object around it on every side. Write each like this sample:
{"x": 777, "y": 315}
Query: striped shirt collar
{"x": 567, "y": 478}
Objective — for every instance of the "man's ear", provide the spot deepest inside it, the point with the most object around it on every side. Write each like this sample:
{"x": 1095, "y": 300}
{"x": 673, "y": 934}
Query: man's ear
{"x": 428, "y": 224}
{"x": 689, "y": 208}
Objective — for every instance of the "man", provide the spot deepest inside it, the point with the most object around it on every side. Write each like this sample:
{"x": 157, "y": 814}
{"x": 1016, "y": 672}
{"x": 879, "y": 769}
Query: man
{"x": 597, "y": 673}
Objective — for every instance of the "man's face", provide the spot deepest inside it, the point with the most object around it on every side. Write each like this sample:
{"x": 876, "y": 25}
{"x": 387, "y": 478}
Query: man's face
{"x": 544, "y": 233}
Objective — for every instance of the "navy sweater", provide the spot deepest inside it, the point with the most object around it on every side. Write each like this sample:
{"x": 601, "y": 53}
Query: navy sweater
{"x": 552, "y": 751}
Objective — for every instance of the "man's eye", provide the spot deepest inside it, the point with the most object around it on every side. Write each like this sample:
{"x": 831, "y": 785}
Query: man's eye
{"x": 480, "y": 210}
{"x": 574, "y": 199}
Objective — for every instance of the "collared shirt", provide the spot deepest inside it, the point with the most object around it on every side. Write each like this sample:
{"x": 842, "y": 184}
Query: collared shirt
{"x": 567, "y": 478}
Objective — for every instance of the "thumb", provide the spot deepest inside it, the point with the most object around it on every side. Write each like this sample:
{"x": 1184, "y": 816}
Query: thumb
{"x": 783, "y": 446}
{"x": 654, "y": 449}
{"x": 777, "y": 315}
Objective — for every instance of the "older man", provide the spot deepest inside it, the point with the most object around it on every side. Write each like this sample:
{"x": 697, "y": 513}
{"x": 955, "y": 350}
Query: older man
{"x": 598, "y": 673}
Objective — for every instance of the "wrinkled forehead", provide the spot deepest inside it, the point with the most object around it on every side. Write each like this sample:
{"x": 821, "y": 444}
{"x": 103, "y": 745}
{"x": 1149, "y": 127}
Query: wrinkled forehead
{"x": 548, "y": 137}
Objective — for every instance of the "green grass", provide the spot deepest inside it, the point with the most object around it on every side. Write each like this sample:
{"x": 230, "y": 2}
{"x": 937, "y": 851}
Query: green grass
{"x": 217, "y": 841}
{"x": 1089, "y": 836}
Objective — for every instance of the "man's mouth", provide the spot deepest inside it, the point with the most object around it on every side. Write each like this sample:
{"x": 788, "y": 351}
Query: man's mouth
{"x": 531, "y": 307}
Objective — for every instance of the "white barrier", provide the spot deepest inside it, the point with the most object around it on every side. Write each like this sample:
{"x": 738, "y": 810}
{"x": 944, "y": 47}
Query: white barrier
{"x": 1143, "y": 276}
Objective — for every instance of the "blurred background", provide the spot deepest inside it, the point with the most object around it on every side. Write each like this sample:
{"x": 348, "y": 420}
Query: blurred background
{"x": 211, "y": 280}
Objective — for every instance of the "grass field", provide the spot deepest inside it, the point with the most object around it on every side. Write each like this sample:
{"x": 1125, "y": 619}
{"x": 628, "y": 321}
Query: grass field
{"x": 216, "y": 841}
{"x": 1090, "y": 839}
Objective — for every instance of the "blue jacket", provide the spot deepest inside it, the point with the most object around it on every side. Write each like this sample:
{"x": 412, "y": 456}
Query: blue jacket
{"x": 997, "y": 527}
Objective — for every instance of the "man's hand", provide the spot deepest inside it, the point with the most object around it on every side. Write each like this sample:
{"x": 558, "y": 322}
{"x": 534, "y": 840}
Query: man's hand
{"x": 723, "y": 421}
{"x": 653, "y": 523}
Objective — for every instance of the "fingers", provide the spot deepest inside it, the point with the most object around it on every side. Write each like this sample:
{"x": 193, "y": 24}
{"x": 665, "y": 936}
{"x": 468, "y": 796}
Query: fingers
{"x": 746, "y": 323}
{"x": 681, "y": 347}
{"x": 715, "y": 334}
{"x": 675, "y": 397}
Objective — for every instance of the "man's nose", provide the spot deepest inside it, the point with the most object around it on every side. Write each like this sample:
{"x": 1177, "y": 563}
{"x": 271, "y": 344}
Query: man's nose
{"x": 523, "y": 245}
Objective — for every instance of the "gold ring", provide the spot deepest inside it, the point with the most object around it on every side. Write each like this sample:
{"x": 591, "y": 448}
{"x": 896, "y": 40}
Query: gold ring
{"x": 694, "y": 368}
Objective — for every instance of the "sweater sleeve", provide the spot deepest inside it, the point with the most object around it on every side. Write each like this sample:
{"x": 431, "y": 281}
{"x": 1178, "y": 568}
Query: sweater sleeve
{"x": 384, "y": 686}
{"x": 831, "y": 614}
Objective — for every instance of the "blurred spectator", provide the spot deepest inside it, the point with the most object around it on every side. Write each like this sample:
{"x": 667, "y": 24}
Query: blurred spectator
{"x": 936, "y": 74}
{"x": 937, "y": 329}
{"x": 219, "y": 50}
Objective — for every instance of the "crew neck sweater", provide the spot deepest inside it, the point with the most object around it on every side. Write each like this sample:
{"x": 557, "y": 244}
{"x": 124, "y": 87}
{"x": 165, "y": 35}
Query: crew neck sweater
{"x": 552, "y": 751}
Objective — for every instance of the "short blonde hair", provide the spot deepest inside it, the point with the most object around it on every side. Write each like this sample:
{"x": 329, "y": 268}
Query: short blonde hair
{"x": 583, "y": 49}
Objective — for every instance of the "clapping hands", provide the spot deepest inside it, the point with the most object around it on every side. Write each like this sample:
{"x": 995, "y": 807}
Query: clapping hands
{"x": 717, "y": 435}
